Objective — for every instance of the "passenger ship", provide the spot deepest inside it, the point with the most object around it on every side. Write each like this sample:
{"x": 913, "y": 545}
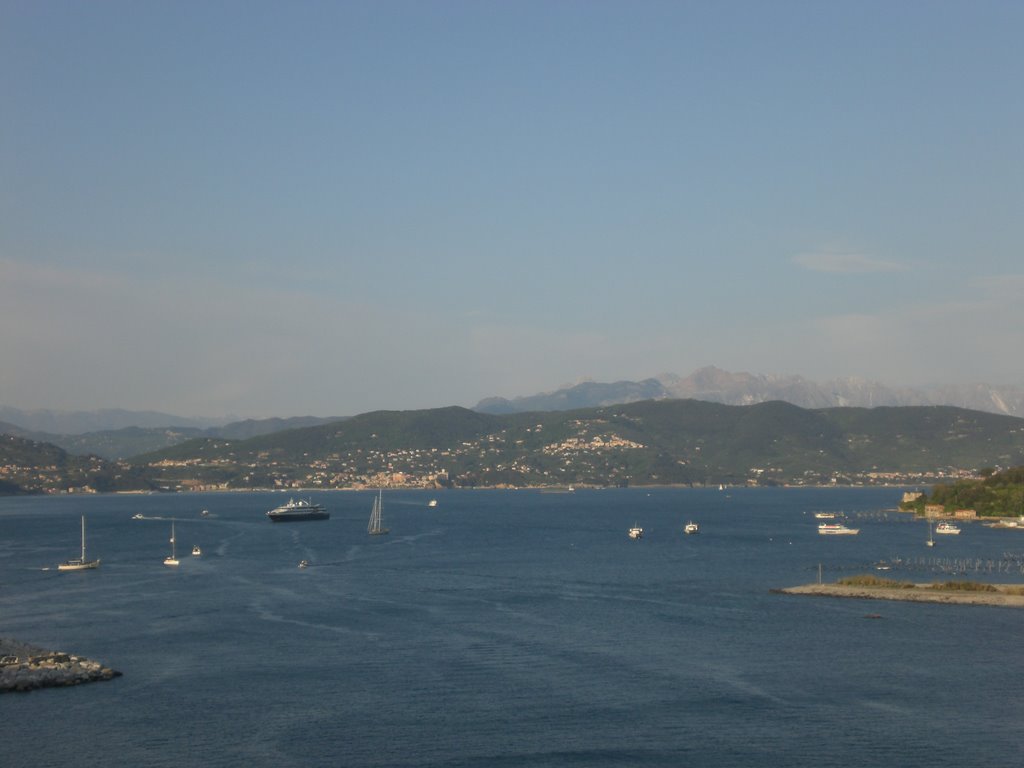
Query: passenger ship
{"x": 295, "y": 511}
{"x": 837, "y": 529}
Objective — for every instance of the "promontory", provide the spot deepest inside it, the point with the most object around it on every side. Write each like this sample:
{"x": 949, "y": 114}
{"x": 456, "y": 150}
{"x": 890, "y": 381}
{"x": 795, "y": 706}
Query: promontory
{"x": 26, "y": 667}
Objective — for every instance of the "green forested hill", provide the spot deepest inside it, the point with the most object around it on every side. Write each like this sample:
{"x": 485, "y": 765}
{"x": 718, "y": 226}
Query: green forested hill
{"x": 650, "y": 442}
{"x": 30, "y": 466}
{"x": 996, "y": 494}
{"x": 665, "y": 441}
{"x": 118, "y": 444}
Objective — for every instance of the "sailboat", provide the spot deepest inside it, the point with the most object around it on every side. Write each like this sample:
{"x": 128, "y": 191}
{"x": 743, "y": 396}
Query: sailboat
{"x": 80, "y": 564}
{"x": 374, "y": 527}
{"x": 931, "y": 541}
{"x": 172, "y": 559}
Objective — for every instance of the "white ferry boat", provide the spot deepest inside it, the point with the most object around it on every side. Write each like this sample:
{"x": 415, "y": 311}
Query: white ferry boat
{"x": 947, "y": 528}
{"x": 837, "y": 529}
{"x": 825, "y": 515}
{"x": 295, "y": 511}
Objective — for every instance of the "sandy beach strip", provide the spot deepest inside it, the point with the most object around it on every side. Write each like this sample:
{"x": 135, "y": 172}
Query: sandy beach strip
{"x": 920, "y": 593}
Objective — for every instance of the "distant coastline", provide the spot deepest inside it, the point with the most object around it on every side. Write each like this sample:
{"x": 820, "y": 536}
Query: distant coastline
{"x": 545, "y": 488}
{"x": 669, "y": 443}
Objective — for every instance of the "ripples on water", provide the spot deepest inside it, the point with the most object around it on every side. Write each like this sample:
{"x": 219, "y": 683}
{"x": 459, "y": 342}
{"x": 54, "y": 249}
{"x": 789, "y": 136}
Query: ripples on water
{"x": 506, "y": 629}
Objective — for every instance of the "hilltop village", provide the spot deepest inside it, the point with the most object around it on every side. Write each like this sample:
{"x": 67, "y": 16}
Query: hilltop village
{"x": 666, "y": 442}
{"x": 495, "y": 460}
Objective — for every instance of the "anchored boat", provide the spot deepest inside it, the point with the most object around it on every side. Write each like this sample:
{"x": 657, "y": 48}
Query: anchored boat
{"x": 295, "y": 511}
{"x": 172, "y": 559}
{"x": 374, "y": 527}
{"x": 837, "y": 529}
{"x": 80, "y": 563}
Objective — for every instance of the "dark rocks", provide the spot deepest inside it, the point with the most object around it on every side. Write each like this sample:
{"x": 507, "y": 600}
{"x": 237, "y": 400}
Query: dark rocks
{"x": 25, "y": 668}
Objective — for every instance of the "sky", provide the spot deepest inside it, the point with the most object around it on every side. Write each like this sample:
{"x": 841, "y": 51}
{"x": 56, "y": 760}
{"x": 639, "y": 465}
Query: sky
{"x": 326, "y": 208}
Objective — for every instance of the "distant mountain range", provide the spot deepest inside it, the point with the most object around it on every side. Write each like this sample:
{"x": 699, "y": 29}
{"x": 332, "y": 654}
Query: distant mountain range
{"x": 717, "y": 386}
{"x": 119, "y": 434}
{"x": 56, "y": 422}
{"x": 130, "y": 441}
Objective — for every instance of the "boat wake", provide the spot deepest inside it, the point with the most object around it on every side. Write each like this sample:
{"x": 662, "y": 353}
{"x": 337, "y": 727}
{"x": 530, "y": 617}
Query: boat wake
{"x": 733, "y": 679}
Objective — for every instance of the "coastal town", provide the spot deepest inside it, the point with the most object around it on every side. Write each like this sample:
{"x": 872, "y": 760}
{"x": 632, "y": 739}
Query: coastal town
{"x": 651, "y": 443}
{"x": 504, "y": 459}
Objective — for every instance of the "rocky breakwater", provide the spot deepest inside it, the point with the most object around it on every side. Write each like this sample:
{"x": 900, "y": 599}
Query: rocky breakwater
{"x": 26, "y": 667}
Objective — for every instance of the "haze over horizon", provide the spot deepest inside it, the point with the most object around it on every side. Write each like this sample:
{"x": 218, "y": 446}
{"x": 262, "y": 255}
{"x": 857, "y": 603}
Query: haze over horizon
{"x": 272, "y": 209}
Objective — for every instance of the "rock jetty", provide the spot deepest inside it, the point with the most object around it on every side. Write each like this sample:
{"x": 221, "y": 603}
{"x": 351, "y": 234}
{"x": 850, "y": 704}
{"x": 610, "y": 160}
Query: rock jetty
{"x": 26, "y": 667}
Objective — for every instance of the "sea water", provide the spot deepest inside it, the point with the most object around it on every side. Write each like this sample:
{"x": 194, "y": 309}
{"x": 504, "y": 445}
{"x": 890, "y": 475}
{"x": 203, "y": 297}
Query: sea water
{"x": 507, "y": 628}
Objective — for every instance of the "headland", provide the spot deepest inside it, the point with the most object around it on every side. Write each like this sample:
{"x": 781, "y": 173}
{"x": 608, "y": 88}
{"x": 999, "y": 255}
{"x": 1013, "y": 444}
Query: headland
{"x": 1002, "y": 595}
{"x": 26, "y": 667}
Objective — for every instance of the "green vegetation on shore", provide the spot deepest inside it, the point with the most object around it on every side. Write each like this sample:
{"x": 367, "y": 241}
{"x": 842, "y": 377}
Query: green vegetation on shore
{"x": 28, "y": 466}
{"x": 996, "y": 494}
{"x": 867, "y": 581}
{"x": 963, "y": 586}
{"x": 873, "y": 582}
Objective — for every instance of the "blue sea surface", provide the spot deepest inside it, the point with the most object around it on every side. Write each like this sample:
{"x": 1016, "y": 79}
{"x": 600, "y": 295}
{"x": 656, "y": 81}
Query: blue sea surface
{"x": 507, "y": 628}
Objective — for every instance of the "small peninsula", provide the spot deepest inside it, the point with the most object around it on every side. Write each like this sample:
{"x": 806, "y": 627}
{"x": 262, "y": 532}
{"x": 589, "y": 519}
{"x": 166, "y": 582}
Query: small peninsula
{"x": 950, "y": 593}
{"x": 26, "y": 667}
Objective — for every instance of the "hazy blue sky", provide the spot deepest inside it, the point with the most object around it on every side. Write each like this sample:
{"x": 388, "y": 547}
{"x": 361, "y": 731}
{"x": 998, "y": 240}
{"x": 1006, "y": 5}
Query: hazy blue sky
{"x": 285, "y": 208}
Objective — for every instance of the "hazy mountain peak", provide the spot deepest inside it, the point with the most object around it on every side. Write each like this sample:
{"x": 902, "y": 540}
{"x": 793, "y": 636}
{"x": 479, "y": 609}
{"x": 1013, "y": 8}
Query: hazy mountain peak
{"x": 741, "y": 388}
{"x": 79, "y": 422}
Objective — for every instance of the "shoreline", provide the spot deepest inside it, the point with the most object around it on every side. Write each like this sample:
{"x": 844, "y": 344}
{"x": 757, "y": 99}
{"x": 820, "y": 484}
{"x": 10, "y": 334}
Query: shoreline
{"x": 920, "y": 593}
{"x": 576, "y": 486}
{"x": 25, "y": 667}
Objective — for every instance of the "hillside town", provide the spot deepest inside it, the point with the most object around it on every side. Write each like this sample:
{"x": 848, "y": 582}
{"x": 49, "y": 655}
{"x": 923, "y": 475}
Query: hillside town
{"x": 497, "y": 460}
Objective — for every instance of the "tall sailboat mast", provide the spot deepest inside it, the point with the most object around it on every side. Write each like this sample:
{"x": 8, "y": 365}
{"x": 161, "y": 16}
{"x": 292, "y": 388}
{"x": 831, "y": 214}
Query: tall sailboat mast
{"x": 173, "y": 558}
{"x": 374, "y": 527}
{"x": 81, "y": 563}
